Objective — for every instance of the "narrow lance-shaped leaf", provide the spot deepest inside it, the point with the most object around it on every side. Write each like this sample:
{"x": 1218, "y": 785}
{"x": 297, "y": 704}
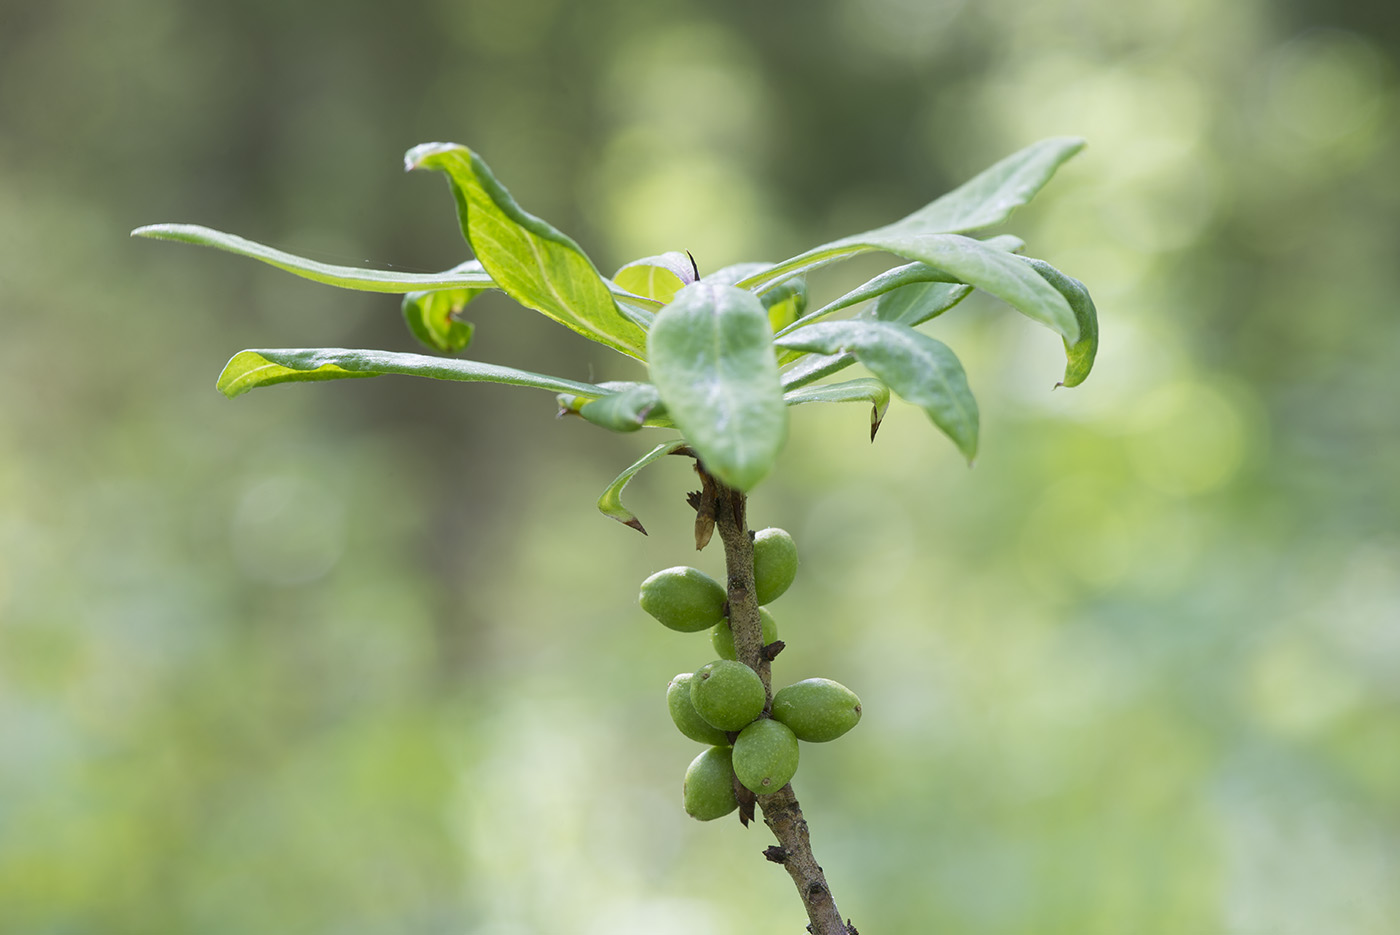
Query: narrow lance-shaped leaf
{"x": 431, "y": 316}
{"x": 918, "y": 368}
{"x": 967, "y": 260}
{"x": 863, "y": 389}
{"x": 951, "y": 289}
{"x": 991, "y": 196}
{"x": 711, "y": 356}
{"x": 249, "y": 370}
{"x": 1079, "y": 355}
{"x": 929, "y": 235}
{"x": 812, "y": 367}
{"x": 610, "y": 503}
{"x": 346, "y": 277}
{"x": 657, "y": 277}
{"x": 529, "y": 260}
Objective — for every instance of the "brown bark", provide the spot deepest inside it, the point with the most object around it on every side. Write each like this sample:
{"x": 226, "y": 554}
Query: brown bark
{"x": 781, "y": 811}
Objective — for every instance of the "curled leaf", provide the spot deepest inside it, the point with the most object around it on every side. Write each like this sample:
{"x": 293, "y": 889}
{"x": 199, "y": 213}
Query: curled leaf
{"x": 610, "y": 503}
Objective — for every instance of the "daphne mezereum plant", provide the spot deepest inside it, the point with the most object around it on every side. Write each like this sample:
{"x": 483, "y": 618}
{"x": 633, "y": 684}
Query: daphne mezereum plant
{"x": 725, "y": 355}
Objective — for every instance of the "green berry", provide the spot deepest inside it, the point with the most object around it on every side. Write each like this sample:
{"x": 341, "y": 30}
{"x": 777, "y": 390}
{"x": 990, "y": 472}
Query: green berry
{"x": 687, "y": 719}
{"x": 684, "y": 599}
{"x": 722, "y": 637}
{"x": 765, "y": 756}
{"x": 709, "y": 785}
{"x": 727, "y": 694}
{"x": 817, "y": 710}
{"x": 774, "y": 563}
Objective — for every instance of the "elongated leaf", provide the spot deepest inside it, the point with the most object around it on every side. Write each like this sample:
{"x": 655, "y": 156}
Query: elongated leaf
{"x": 918, "y": 302}
{"x": 908, "y": 274}
{"x": 711, "y": 356}
{"x": 657, "y": 277}
{"x": 991, "y": 196}
{"x": 431, "y": 316}
{"x": 249, "y": 370}
{"x": 812, "y": 367}
{"x": 529, "y": 259}
{"x": 610, "y": 503}
{"x": 929, "y": 235}
{"x": 346, "y": 277}
{"x": 1079, "y": 355}
{"x": 967, "y": 260}
{"x": 863, "y": 389}
{"x": 920, "y": 369}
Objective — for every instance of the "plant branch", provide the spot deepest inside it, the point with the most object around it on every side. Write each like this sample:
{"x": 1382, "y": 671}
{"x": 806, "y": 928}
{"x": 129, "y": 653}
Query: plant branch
{"x": 781, "y": 811}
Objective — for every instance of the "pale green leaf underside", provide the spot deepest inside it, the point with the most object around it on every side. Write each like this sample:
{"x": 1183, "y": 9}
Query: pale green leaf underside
{"x": 711, "y": 356}
{"x": 529, "y": 260}
{"x": 346, "y": 277}
{"x": 251, "y": 369}
{"x": 918, "y": 368}
{"x": 610, "y": 503}
{"x": 931, "y": 235}
{"x": 863, "y": 389}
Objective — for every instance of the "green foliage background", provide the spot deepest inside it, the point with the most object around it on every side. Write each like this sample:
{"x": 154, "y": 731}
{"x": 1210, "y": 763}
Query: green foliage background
{"x": 363, "y": 658}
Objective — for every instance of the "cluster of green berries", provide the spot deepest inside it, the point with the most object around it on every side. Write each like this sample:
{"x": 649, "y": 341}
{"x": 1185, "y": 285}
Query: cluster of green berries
{"x": 724, "y": 704}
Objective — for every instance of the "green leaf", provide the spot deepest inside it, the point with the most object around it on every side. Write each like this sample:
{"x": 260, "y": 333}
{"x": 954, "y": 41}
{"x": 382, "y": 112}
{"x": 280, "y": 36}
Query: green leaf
{"x": 249, "y": 370}
{"x": 967, "y": 260}
{"x": 908, "y": 274}
{"x": 863, "y": 389}
{"x": 711, "y": 356}
{"x": 813, "y": 367}
{"x": 529, "y": 259}
{"x": 657, "y": 277}
{"x": 1079, "y": 356}
{"x": 626, "y": 407}
{"x": 610, "y": 503}
{"x": 918, "y": 302}
{"x": 918, "y": 368}
{"x": 431, "y": 315}
{"x": 930, "y": 236}
{"x": 346, "y": 277}
{"x": 991, "y": 196}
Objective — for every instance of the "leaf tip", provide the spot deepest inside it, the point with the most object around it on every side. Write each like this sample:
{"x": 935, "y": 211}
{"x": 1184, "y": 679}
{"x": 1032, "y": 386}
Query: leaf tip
{"x": 635, "y": 524}
{"x": 418, "y": 155}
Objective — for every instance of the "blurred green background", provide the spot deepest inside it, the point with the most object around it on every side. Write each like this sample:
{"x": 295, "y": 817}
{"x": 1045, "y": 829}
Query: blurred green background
{"x": 364, "y": 658}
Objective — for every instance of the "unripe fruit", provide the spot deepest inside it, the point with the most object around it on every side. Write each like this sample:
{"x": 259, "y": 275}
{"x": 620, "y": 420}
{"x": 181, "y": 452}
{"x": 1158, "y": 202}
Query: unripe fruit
{"x": 774, "y": 563}
{"x": 817, "y": 710}
{"x": 709, "y": 785}
{"x": 727, "y": 694}
{"x": 687, "y": 719}
{"x": 684, "y": 599}
{"x": 765, "y": 756}
{"x": 722, "y": 637}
